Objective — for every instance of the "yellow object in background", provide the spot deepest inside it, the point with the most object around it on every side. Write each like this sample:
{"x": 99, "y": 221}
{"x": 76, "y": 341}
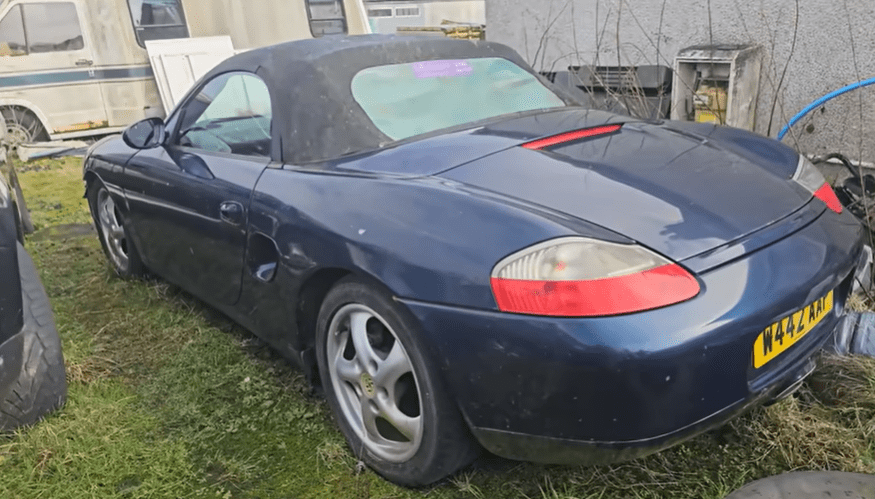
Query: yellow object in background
{"x": 710, "y": 103}
{"x": 450, "y": 29}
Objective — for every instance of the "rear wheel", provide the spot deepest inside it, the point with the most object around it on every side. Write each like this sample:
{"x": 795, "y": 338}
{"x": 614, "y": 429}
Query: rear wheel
{"x": 118, "y": 247}
{"x": 22, "y": 127}
{"x": 384, "y": 392}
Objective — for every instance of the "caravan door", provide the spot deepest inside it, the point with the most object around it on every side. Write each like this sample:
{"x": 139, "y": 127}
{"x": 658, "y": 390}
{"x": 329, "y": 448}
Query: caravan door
{"x": 46, "y": 65}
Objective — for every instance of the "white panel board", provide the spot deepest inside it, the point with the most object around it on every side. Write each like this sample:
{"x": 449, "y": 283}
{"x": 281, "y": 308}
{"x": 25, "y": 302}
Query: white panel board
{"x": 179, "y": 63}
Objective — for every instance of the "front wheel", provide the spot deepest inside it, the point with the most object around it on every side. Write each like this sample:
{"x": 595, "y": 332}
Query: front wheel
{"x": 118, "y": 247}
{"x": 384, "y": 392}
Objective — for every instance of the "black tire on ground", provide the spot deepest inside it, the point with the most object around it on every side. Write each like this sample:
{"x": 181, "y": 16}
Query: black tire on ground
{"x": 19, "y": 227}
{"x": 42, "y": 386}
{"x": 22, "y": 126}
{"x": 442, "y": 442}
{"x": 25, "y": 224}
{"x": 120, "y": 250}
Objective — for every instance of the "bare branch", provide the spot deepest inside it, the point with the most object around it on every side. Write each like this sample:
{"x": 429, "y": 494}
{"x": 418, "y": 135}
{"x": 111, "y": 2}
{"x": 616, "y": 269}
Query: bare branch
{"x": 542, "y": 44}
{"x": 784, "y": 71}
{"x": 866, "y": 203}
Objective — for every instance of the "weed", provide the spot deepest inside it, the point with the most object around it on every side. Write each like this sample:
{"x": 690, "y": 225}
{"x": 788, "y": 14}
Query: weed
{"x": 332, "y": 453}
{"x": 463, "y": 482}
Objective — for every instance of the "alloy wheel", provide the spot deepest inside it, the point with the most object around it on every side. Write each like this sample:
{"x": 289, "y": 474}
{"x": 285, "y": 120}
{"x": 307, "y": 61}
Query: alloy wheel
{"x": 112, "y": 230}
{"x": 375, "y": 384}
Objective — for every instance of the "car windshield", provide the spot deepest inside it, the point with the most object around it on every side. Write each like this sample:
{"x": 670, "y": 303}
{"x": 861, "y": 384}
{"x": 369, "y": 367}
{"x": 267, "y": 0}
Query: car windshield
{"x": 404, "y": 100}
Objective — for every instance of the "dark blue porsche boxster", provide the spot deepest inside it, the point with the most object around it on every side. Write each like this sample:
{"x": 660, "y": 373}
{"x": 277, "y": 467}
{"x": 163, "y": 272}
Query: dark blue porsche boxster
{"x": 465, "y": 258}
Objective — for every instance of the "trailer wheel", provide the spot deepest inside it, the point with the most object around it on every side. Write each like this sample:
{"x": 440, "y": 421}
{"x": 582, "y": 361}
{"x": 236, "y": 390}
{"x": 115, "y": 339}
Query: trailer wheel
{"x": 22, "y": 127}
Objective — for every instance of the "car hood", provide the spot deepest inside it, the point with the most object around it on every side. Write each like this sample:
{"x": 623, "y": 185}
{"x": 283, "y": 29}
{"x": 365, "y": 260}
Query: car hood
{"x": 669, "y": 186}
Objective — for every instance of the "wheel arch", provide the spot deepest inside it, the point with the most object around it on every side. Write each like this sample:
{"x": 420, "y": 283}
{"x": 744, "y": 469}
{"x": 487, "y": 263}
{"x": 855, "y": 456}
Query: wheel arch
{"x": 311, "y": 296}
{"x": 89, "y": 177}
{"x": 308, "y": 302}
{"x": 32, "y": 108}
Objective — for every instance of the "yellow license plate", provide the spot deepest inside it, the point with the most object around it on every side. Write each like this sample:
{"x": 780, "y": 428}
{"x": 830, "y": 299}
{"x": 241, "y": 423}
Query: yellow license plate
{"x": 787, "y": 331}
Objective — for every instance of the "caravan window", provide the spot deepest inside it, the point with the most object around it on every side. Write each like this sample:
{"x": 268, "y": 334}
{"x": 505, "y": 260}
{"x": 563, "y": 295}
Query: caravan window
{"x": 157, "y": 20}
{"x": 51, "y": 27}
{"x": 12, "y": 41}
{"x": 326, "y": 17}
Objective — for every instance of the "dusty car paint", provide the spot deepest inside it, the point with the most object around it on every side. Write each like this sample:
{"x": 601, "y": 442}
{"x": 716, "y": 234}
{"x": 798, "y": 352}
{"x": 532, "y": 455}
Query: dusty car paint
{"x": 427, "y": 219}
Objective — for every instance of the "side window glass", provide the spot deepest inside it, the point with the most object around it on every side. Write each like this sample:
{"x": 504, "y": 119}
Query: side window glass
{"x": 326, "y": 17}
{"x": 230, "y": 114}
{"x": 12, "y": 41}
{"x": 52, "y": 27}
{"x": 157, "y": 20}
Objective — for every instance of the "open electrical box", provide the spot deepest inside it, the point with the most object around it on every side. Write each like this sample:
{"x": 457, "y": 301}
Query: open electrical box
{"x": 717, "y": 84}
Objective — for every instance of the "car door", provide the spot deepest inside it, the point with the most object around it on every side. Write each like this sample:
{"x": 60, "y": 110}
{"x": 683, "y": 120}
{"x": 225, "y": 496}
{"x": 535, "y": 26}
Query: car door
{"x": 46, "y": 58}
{"x": 189, "y": 198}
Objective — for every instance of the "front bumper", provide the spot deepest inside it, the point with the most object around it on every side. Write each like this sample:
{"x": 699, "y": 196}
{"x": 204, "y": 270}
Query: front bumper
{"x": 595, "y": 390}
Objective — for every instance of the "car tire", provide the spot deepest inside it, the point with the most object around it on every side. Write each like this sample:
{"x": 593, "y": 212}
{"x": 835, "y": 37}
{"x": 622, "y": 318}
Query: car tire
{"x": 22, "y": 127}
{"x": 41, "y": 386}
{"x": 384, "y": 391}
{"x": 19, "y": 227}
{"x": 22, "y": 214}
{"x": 118, "y": 247}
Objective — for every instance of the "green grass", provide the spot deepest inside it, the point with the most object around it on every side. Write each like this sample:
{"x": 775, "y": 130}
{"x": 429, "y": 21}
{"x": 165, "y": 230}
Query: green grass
{"x": 169, "y": 399}
{"x": 54, "y": 192}
{"x": 101, "y": 445}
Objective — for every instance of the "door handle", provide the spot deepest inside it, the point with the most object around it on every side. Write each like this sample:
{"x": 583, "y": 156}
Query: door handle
{"x": 231, "y": 212}
{"x": 84, "y": 62}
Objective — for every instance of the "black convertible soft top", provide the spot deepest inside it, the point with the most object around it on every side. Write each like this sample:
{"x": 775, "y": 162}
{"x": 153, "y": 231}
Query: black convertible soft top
{"x": 309, "y": 84}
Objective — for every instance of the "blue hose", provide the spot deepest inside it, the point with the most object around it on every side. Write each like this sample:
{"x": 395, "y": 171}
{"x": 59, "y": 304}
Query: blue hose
{"x": 819, "y": 102}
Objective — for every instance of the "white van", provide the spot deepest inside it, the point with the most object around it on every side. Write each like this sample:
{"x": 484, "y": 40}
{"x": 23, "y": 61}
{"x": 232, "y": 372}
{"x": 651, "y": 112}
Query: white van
{"x": 73, "y": 68}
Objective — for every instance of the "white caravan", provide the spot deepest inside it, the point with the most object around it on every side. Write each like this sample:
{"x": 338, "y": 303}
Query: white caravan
{"x": 73, "y": 68}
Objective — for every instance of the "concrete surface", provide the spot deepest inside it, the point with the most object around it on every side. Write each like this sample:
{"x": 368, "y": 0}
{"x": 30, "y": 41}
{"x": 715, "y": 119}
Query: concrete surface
{"x": 835, "y": 46}
{"x": 809, "y": 485}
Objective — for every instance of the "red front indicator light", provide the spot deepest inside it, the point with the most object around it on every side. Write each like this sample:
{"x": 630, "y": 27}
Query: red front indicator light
{"x": 581, "y": 277}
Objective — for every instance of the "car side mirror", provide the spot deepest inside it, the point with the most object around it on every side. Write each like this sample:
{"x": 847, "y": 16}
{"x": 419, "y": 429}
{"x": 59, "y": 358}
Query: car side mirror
{"x": 145, "y": 134}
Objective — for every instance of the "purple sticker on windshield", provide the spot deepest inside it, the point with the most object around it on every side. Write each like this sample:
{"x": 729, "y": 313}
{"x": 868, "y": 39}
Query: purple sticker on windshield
{"x": 433, "y": 69}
